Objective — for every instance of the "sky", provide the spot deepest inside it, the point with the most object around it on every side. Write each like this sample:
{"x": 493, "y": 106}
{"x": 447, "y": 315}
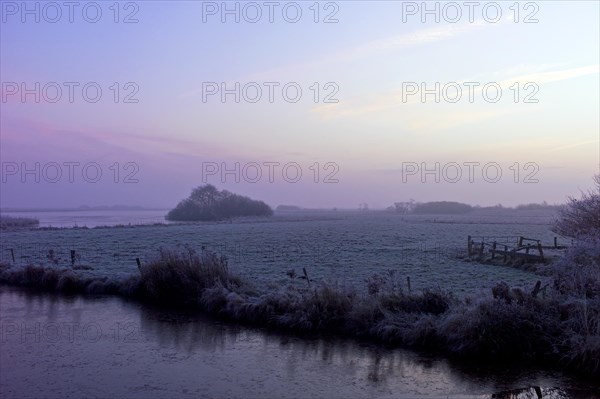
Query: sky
{"x": 316, "y": 104}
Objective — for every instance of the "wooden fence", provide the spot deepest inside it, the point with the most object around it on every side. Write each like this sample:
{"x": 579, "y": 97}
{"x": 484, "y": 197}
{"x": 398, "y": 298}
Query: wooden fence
{"x": 510, "y": 248}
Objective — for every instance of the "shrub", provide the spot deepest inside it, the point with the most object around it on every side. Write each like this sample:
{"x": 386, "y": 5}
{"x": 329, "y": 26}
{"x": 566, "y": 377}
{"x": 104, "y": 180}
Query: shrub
{"x": 578, "y": 272}
{"x": 577, "y": 281}
{"x": 581, "y": 217}
{"x": 496, "y": 329}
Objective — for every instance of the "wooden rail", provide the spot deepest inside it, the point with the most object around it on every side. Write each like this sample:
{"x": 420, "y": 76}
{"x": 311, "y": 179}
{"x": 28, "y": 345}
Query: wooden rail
{"x": 510, "y": 248}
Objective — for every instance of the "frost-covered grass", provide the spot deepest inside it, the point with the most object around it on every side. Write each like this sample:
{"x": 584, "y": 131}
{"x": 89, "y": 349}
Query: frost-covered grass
{"x": 555, "y": 324}
{"x": 347, "y": 250}
{"x": 180, "y": 278}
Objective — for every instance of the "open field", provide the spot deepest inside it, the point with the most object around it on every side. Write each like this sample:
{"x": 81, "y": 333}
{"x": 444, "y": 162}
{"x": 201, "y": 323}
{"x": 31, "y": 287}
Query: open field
{"x": 338, "y": 247}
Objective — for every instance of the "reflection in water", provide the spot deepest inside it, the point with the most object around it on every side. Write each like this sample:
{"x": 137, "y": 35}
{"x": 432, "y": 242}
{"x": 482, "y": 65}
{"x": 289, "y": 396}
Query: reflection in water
{"x": 185, "y": 331}
{"x": 148, "y": 352}
{"x": 370, "y": 364}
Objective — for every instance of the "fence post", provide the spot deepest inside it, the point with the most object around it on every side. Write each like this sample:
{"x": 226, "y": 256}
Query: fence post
{"x": 139, "y": 264}
{"x": 536, "y": 289}
{"x": 306, "y": 275}
{"x": 469, "y": 244}
{"x": 494, "y": 250}
{"x": 12, "y": 254}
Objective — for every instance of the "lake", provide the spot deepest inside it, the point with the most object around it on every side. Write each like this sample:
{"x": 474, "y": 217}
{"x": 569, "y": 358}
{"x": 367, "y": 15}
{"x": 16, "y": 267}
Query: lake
{"x": 99, "y": 347}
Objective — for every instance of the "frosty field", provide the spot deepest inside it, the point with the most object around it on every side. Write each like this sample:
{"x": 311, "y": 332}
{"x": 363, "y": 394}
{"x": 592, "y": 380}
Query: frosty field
{"x": 342, "y": 247}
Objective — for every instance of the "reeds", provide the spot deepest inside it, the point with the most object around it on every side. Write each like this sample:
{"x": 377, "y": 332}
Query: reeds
{"x": 11, "y": 222}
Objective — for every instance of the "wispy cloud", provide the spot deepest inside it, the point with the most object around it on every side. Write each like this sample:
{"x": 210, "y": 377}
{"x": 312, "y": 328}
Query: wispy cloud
{"x": 365, "y": 50}
{"x": 30, "y": 133}
{"x": 574, "y": 145}
{"x": 551, "y": 76}
{"x": 406, "y": 40}
{"x": 393, "y": 101}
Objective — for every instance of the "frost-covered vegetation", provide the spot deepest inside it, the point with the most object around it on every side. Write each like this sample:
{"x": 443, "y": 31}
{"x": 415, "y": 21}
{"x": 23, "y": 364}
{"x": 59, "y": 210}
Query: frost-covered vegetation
{"x": 555, "y": 323}
{"x": 347, "y": 249}
{"x": 580, "y": 217}
{"x": 559, "y": 323}
{"x": 206, "y": 203}
{"x": 8, "y": 222}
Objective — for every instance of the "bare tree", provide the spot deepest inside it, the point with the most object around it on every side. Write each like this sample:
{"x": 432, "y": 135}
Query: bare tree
{"x": 581, "y": 217}
{"x": 208, "y": 203}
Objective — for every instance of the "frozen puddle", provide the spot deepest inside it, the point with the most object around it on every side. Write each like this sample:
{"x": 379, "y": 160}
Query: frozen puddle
{"x": 59, "y": 347}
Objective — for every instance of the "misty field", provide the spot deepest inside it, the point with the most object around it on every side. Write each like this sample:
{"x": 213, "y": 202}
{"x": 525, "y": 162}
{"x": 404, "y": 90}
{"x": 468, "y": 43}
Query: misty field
{"x": 337, "y": 247}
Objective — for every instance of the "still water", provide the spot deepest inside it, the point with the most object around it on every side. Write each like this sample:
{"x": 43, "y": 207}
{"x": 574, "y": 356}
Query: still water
{"x": 93, "y": 218}
{"x": 71, "y": 347}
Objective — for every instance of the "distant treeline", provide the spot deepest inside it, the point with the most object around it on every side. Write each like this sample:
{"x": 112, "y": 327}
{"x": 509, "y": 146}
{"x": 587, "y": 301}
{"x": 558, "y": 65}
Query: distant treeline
{"x": 288, "y": 208}
{"x": 532, "y": 207}
{"x": 206, "y": 203}
{"x": 7, "y": 222}
{"x": 451, "y": 207}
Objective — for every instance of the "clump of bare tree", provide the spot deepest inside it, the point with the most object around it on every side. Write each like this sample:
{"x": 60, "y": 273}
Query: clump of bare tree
{"x": 580, "y": 218}
{"x": 207, "y": 203}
